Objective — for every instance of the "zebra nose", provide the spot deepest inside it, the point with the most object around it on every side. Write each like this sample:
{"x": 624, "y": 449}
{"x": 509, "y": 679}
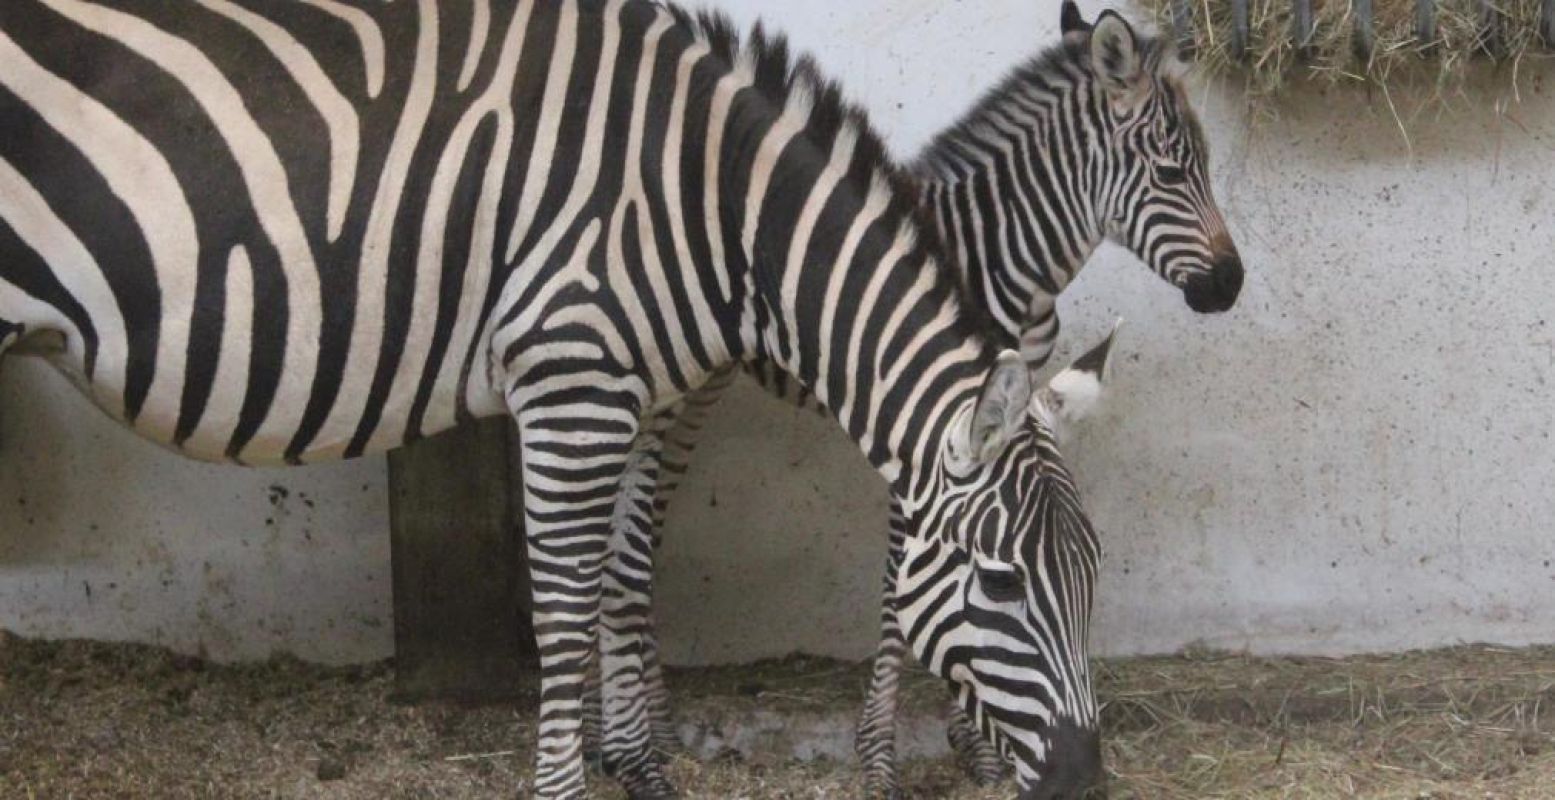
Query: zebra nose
{"x": 1074, "y": 767}
{"x": 1228, "y": 274}
{"x": 1217, "y": 289}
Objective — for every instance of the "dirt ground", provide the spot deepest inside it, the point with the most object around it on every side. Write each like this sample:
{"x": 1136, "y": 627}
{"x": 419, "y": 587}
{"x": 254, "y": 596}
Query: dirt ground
{"x": 83, "y": 720}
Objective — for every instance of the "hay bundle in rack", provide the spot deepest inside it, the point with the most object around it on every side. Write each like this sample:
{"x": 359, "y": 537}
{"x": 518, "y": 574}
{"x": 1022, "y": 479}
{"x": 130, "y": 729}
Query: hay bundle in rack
{"x": 1417, "y": 43}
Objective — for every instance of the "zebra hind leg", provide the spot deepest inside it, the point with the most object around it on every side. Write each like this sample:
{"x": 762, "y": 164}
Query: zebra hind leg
{"x": 681, "y": 428}
{"x": 627, "y": 747}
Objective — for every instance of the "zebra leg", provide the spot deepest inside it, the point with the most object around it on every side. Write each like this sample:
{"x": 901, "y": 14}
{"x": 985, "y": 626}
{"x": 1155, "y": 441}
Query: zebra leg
{"x": 680, "y": 441}
{"x": 876, "y": 738}
{"x": 973, "y": 750}
{"x": 627, "y": 746}
{"x": 574, "y": 456}
{"x": 875, "y": 741}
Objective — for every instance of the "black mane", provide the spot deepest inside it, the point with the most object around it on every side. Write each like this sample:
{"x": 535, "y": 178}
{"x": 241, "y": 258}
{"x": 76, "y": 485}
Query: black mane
{"x": 1065, "y": 63}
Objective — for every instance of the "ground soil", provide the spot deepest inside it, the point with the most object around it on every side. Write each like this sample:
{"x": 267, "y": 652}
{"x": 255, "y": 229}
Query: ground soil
{"x": 86, "y": 720}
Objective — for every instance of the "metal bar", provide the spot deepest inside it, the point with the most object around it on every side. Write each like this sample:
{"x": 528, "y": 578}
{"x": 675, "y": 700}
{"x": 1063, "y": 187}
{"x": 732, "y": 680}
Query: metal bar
{"x": 1425, "y": 21}
{"x": 1547, "y": 23}
{"x": 1239, "y": 29}
{"x": 1182, "y": 26}
{"x": 1302, "y": 26}
{"x": 1365, "y": 36}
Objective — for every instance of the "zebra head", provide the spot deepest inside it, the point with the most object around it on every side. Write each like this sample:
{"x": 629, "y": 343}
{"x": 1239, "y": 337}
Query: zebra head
{"x": 995, "y": 585}
{"x": 1154, "y": 193}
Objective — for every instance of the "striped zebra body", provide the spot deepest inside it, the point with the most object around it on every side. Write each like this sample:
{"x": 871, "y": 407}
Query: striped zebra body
{"x": 1021, "y": 192}
{"x": 279, "y": 233}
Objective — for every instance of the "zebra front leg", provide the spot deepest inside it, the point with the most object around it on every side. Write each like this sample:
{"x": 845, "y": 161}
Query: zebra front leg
{"x": 875, "y": 741}
{"x": 574, "y": 456}
{"x": 973, "y": 751}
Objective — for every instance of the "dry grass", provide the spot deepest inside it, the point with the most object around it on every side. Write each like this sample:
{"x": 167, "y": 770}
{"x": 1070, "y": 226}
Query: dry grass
{"x": 89, "y": 720}
{"x": 1405, "y": 67}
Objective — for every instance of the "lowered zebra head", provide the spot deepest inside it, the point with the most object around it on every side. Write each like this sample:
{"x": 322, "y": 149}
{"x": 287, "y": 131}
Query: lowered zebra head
{"x": 1154, "y": 191}
{"x": 994, "y": 589}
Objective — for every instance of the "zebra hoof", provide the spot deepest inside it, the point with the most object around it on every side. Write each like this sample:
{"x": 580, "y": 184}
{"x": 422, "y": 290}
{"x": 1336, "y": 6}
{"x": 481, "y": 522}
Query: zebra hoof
{"x": 646, "y": 781}
{"x": 985, "y": 775}
{"x": 885, "y": 793}
{"x": 664, "y": 792}
{"x": 980, "y": 761}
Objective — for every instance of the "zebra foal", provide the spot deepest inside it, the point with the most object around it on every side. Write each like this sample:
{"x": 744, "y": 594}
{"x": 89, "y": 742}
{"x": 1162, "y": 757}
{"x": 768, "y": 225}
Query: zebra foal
{"x": 282, "y": 233}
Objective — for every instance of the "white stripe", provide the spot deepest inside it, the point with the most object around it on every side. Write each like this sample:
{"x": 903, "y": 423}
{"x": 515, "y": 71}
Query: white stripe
{"x": 142, "y": 179}
{"x": 875, "y": 205}
{"x": 495, "y": 102}
{"x": 799, "y": 247}
{"x": 632, "y": 194}
{"x": 728, "y": 88}
{"x": 211, "y": 438}
{"x": 796, "y": 113}
{"x": 345, "y": 130}
{"x": 674, "y": 142}
{"x": 367, "y": 33}
{"x": 863, "y": 308}
{"x": 583, "y": 183}
{"x": 373, "y": 270}
{"x": 547, "y": 126}
{"x": 269, "y": 190}
{"x": 28, "y": 214}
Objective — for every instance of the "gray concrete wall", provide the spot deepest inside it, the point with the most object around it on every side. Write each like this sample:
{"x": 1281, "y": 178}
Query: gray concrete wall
{"x": 1357, "y": 458}
{"x": 105, "y": 536}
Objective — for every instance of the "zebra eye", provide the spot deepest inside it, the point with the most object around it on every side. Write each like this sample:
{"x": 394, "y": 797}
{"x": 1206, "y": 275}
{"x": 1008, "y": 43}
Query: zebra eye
{"x": 1170, "y": 174}
{"x": 1001, "y": 585}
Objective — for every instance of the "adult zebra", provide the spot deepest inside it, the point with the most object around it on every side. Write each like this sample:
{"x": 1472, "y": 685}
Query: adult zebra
{"x": 1023, "y": 190}
{"x": 297, "y": 232}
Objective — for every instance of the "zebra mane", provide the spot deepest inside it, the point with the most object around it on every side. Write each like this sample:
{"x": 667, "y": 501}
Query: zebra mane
{"x": 1058, "y": 68}
{"x": 782, "y": 76}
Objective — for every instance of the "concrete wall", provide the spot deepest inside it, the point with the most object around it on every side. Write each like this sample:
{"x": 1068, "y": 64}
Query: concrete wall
{"x": 105, "y": 536}
{"x": 1357, "y": 458}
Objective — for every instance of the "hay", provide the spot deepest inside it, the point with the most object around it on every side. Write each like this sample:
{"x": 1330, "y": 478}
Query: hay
{"x": 105, "y": 721}
{"x": 1432, "y": 68}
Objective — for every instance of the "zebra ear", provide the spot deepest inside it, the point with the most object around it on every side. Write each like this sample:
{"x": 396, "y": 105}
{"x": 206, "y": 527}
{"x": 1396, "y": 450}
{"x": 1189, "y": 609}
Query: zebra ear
{"x": 1073, "y": 394}
{"x": 1115, "y": 56}
{"x": 1072, "y": 21}
{"x": 1000, "y": 409}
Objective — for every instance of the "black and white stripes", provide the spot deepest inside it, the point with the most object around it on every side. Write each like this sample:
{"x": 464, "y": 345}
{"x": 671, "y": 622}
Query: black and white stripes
{"x": 1022, "y": 190}
{"x": 281, "y": 232}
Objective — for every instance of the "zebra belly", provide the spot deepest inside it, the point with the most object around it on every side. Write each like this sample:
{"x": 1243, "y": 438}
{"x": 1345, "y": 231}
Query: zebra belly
{"x": 245, "y": 225}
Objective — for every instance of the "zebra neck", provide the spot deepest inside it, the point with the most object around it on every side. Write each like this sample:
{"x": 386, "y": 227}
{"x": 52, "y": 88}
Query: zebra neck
{"x": 1015, "y": 220}
{"x": 872, "y": 325}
